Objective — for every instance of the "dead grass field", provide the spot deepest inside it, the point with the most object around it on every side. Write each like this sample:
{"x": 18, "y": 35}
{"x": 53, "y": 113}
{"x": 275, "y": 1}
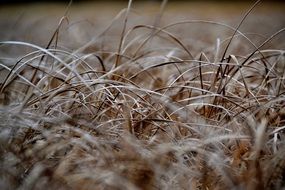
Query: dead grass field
{"x": 117, "y": 96}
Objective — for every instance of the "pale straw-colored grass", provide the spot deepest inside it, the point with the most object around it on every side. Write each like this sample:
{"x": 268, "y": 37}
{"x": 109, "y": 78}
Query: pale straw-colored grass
{"x": 145, "y": 109}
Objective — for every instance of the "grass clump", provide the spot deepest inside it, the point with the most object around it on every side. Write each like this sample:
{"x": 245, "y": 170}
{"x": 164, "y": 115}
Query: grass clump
{"x": 142, "y": 107}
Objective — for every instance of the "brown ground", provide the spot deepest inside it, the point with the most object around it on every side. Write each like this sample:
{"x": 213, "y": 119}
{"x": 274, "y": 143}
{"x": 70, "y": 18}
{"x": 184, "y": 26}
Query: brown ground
{"x": 36, "y": 22}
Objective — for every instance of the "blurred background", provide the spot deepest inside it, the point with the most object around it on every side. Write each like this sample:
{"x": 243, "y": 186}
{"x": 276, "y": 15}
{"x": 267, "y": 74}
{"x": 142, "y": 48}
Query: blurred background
{"x": 35, "y": 21}
{"x": 78, "y": 1}
{"x": 75, "y": 1}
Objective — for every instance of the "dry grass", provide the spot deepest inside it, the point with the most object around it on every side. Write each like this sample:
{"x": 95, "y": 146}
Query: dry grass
{"x": 145, "y": 106}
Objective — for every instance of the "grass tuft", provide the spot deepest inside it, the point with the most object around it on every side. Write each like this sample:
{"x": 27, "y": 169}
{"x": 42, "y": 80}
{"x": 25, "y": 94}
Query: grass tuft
{"x": 142, "y": 106}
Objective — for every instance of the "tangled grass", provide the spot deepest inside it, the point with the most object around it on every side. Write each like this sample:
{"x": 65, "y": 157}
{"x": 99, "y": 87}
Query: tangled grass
{"x": 146, "y": 110}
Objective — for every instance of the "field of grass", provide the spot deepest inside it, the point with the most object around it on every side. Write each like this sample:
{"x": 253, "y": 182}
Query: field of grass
{"x": 142, "y": 96}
